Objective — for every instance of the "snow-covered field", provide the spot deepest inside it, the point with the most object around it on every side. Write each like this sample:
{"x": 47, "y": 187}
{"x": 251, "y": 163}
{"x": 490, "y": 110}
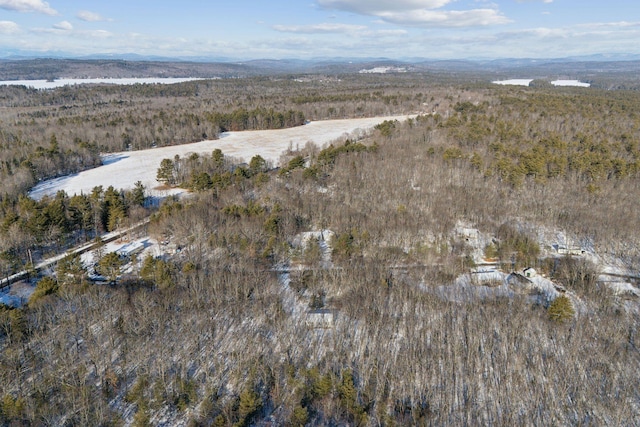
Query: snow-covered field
{"x": 525, "y": 82}
{"x": 516, "y": 82}
{"x": 123, "y": 170}
{"x": 46, "y": 84}
{"x": 570, "y": 83}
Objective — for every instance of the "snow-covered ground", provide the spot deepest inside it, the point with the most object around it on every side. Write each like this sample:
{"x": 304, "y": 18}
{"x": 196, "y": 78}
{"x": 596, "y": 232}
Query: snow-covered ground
{"x": 525, "y": 82}
{"x": 488, "y": 281}
{"x": 477, "y": 285}
{"x": 123, "y": 170}
{"x": 46, "y": 84}
{"x": 146, "y": 246}
{"x": 322, "y": 237}
{"x": 17, "y": 294}
{"x": 517, "y": 82}
{"x": 576, "y": 83}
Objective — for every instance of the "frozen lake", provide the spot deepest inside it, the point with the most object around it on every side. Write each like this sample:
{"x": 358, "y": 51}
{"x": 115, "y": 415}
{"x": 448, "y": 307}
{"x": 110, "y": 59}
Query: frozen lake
{"x": 576, "y": 83}
{"x": 525, "y": 82}
{"x": 515, "y": 82}
{"x": 46, "y": 84}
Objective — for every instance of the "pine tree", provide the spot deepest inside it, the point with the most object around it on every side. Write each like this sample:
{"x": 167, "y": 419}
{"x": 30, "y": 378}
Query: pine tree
{"x": 165, "y": 173}
{"x": 137, "y": 194}
{"x": 300, "y": 416}
{"x": 250, "y": 404}
{"x": 109, "y": 266}
{"x": 561, "y": 309}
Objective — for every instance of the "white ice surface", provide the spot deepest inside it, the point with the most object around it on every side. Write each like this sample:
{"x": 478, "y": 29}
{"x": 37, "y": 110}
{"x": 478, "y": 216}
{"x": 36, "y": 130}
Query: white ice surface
{"x": 517, "y": 82}
{"x": 570, "y": 83}
{"x": 45, "y": 84}
{"x": 525, "y": 82}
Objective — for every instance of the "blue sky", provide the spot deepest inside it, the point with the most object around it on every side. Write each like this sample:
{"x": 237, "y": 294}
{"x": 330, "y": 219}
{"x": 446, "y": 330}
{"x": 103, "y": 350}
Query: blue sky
{"x": 250, "y": 29}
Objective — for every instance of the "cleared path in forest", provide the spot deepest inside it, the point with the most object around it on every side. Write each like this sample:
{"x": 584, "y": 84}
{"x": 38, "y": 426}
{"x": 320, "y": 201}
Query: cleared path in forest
{"x": 78, "y": 250}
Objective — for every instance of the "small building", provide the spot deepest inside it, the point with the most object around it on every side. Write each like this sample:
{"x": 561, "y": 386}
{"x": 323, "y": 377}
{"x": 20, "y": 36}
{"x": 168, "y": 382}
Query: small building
{"x": 529, "y": 272}
{"x": 130, "y": 249}
{"x": 519, "y": 280}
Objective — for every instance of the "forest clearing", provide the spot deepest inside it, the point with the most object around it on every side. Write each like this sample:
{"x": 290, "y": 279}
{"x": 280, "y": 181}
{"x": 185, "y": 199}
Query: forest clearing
{"x": 121, "y": 170}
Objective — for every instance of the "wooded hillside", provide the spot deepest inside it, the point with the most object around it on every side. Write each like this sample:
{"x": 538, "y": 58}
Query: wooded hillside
{"x": 226, "y": 332}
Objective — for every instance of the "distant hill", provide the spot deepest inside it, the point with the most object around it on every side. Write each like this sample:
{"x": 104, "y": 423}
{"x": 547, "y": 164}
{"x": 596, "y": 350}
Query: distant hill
{"x": 34, "y": 69}
{"x": 139, "y": 66}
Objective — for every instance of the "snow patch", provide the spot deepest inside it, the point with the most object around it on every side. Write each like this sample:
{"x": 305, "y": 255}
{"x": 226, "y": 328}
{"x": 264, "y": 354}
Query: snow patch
{"x": 516, "y": 82}
{"x": 576, "y": 83}
{"x": 476, "y": 285}
{"x": 17, "y": 294}
{"x": 621, "y": 288}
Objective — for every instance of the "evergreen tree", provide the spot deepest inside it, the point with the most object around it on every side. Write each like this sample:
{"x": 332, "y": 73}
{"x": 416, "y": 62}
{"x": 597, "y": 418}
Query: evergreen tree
{"x": 561, "y": 309}
{"x": 165, "y": 173}
{"x": 70, "y": 272}
{"x": 137, "y": 194}
{"x": 250, "y": 404}
{"x": 46, "y": 286}
{"x": 109, "y": 266}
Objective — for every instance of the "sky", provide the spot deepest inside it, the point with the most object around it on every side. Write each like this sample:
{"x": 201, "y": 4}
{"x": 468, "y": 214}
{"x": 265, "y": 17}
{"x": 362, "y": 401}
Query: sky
{"x": 306, "y": 29}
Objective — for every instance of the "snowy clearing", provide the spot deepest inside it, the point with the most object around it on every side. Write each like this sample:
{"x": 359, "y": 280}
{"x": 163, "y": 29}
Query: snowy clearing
{"x": 123, "y": 170}
{"x": 576, "y": 83}
{"x": 147, "y": 245}
{"x": 516, "y": 82}
{"x": 525, "y": 82}
{"x": 47, "y": 84}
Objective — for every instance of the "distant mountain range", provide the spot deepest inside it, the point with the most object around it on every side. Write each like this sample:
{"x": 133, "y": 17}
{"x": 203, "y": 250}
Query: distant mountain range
{"x": 23, "y": 66}
{"x": 22, "y": 54}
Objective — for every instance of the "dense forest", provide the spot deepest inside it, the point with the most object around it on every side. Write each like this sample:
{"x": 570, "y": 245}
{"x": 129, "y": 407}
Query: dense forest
{"x": 361, "y": 322}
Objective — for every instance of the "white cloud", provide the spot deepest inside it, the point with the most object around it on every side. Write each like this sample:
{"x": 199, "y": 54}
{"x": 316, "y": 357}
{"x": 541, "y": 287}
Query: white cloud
{"x": 390, "y": 33}
{"x": 100, "y": 34}
{"x": 373, "y": 7}
{"x": 85, "y": 15}
{"x": 28, "y": 6}
{"x": 319, "y": 28}
{"x": 582, "y": 39}
{"x": 422, "y": 13}
{"x": 64, "y": 25}
{"x": 8, "y": 27}
{"x": 453, "y": 18}
{"x": 613, "y": 25}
